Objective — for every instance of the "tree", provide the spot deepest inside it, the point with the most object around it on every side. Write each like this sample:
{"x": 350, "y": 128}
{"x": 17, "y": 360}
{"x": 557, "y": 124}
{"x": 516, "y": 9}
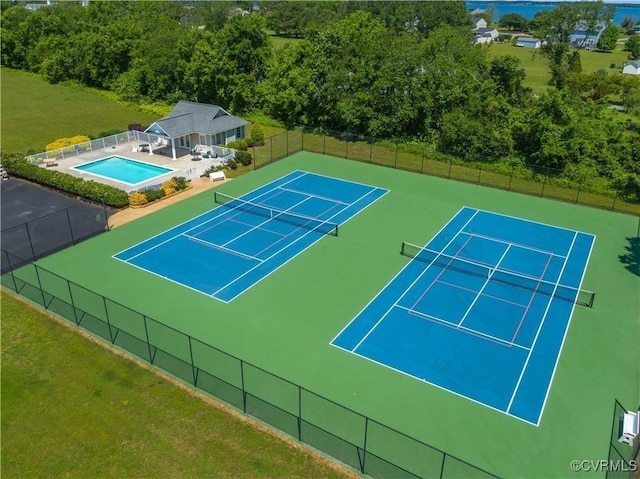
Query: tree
{"x": 633, "y": 46}
{"x": 628, "y": 22}
{"x": 514, "y": 21}
{"x": 507, "y": 72}
{"x": 608, "y": 38}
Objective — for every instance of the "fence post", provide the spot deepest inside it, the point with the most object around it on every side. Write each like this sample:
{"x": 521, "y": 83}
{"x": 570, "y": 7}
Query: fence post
{"x": 146, "y": 334}
{"x": 364, "y": 445}
{"x": 395, "y": 160}
{"x": 244, "y": 392}
{"x": 450, "y": 166}
{"x": 302, "y": 134}
{"x": 422, "y": 161}
{"x": 15, "y": 285}
{"x": 254, "y": 158}
{"x": 479, "y": 172}
{"x": 271, "y": 151}
{"x": 73, "y": 304}
{"x": 44, "y": 303}
{"x": 544, "y": 182}
{"x": 444, "y": 459}
{"x": 370, "y": 152}
{"x": 287, "y": 142}
{"x": 324, "y": 144}
{"x": 579, "y": 189}
{"x": 106, "y": 315}
{"x": 346, "y": 146}
{"x": 513, "y": 168}
{"x": 33, "y": 252}
{"x": 615, "y": 198}
{"x": 300, "y": 413}
{"x": 193, "y": 366}
{"x": 73, "y": 240}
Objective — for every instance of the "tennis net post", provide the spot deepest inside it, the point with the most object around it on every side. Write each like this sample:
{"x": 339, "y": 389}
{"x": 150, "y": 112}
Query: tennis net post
{"x": 529, "y": 283}
{"x": 295, "y": 219}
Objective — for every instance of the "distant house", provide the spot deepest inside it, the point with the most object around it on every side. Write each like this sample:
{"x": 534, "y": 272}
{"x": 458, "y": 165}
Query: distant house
{"x": 583, "y": 37}
{"x": 636, "y": 30}
{"x": 528, "y": 42}
{"x": 479, "y": 22}
{"x": 631, "y": 68}
{"x": 478, "y": 11}
{"x": 35, "y": 6}
{"x": 193, "y": 124}
{"x": 485, "y": 35}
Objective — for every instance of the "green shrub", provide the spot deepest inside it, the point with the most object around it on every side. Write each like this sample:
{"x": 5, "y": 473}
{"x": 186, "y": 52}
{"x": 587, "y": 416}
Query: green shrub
{"x": 232, "y": 164}
{"x": 243, "y": 157}
{"x": 181, "y": 182}
{"x": 239, "y": 145}
{"x": 257, "y": 135}
{"x": 17, "y": 166}
{"x": 154, "y": 194}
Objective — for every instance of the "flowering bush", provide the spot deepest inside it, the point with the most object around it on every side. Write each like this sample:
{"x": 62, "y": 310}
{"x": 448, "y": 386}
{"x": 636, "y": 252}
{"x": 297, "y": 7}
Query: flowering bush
{"x": 67, "y": 143}
{"x": 138, "y": 199}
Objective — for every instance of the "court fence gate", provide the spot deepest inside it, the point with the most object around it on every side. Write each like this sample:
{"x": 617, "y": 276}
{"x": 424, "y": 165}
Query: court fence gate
{"x": 621, "y": 459}
{"x": 422, "y": 158}
{"x": 356, "y": 440}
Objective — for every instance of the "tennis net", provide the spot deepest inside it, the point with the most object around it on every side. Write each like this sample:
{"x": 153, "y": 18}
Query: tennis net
{"x": 511, "y": 278}
{"x": 295, "y": 219}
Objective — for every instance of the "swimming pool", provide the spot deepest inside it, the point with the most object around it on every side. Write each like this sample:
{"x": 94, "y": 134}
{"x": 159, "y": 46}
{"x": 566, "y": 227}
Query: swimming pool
{"x": 123, "y": 169}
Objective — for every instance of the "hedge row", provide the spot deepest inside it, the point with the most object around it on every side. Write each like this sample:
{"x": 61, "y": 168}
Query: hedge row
{"x": 16, "y": 165}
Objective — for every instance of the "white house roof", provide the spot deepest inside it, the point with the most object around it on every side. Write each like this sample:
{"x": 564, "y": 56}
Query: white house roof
{"x": 635, "y": 64}
{"x": 528, "y": 40}
{"x": 190, "y": 117}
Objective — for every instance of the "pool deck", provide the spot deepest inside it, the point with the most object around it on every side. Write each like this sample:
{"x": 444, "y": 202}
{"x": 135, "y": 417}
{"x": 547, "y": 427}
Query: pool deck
{"x": 183, "y": 164}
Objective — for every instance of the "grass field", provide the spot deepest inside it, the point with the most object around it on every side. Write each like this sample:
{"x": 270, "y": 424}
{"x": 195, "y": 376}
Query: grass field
{"x": 55, "y": 111}
{"x": 72, "y": 409}
{"x": 537, "y": 70}
{"x": 285, "y": 323}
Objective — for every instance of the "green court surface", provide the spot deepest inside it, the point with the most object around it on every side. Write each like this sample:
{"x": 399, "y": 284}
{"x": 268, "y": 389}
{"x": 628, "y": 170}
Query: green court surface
{"x": 284, "y": 324}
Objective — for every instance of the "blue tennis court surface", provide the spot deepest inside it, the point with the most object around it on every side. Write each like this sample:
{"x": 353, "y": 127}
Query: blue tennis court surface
{"x": 227, "y": 250}
{"x": 481, "y": 311}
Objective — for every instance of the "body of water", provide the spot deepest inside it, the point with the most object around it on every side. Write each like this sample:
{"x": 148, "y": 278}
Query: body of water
{"x": 529, "y": 9}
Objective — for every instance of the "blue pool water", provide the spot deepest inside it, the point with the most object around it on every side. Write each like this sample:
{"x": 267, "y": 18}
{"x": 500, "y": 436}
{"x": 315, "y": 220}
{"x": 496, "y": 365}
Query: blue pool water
{"x": 123, "y": 169}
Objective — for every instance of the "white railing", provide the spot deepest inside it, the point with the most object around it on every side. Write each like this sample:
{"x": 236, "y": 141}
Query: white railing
{"x": 79, "y": 148}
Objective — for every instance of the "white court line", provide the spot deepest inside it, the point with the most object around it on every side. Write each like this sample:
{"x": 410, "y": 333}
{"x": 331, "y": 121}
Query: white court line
{"x": 584, "y": 271}
{"x": 387, "y": 285}
{"x": 533, "y": 296}
{"x": 491, "y": 271}
{"x": 222, "y": 248}
{"x": 315, "y": 196}
{"x": 519, "y": 245}
{"x": 483, "y": 294}
{"x": 290, "y": 233}
{"x": 544, "y": 317}
{"x": 471, "y": 331}
{"x": 411, "y": 285}
{"x": 233, "y": 220}
{"x": 271, "y": 190}
{"x": 266, "y": 221}
{"x": 341, "y": 179}
{"x": 436, "y": 385}
{"x": 529, "y": 221}
{"x": 292, "y": 243}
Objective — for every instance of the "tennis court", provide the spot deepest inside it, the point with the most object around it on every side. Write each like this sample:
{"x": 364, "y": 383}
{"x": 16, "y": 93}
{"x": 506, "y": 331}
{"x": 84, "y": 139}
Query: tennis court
{"x": 481, "y": 311}
{"x": 227, "y": 250}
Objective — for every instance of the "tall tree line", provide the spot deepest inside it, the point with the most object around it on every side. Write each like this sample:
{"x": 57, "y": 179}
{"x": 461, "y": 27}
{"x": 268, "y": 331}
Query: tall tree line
{"x": 405, "y": 70}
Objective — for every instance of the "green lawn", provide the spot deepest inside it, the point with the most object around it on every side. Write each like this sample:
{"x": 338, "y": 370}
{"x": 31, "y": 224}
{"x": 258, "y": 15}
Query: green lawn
{"x": 35, "y": 113}
{"x": 536, "y": 65}
{"x": 70, "y": 408}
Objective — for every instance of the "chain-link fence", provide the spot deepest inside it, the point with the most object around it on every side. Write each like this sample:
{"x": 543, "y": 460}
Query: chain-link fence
{"x": 45, "y": 235}
{"x": 350, "y": 437}
{"x": 533, "y": 180}
{"x": 622, "y": 462}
